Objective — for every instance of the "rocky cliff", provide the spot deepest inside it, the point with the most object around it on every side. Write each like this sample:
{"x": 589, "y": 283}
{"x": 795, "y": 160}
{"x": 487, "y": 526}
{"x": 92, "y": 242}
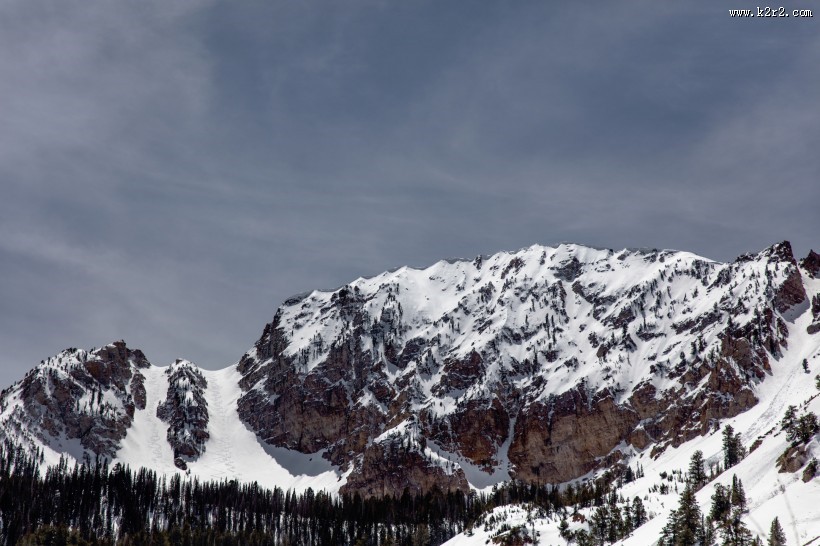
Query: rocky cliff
{"x": 78, "y": 402}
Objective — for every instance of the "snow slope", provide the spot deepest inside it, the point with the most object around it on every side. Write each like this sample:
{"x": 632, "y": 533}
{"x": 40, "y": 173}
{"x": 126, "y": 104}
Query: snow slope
{"x": 232, "y": 452}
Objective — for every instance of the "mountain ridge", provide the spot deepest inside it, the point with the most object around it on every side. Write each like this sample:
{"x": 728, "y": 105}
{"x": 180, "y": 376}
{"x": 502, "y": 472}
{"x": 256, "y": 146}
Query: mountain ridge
{"x": 535, "y": 364}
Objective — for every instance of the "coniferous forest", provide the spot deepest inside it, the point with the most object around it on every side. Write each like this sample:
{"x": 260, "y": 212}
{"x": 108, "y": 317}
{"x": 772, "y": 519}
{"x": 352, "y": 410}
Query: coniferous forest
{"x": 94, "y": 504}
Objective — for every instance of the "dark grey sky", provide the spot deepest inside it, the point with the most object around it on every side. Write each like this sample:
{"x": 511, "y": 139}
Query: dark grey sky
{"x": 170, "y": 171}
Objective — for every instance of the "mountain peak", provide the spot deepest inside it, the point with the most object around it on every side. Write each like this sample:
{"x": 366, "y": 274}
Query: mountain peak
{"x": 811, "y": 263}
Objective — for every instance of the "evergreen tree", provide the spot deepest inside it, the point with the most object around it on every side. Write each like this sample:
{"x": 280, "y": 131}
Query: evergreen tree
{"x": 688, "y": 520}
{"x": 583, "y": 538}
{"x": 616, "y": 524}
{"x": 103, "y": 506}
{"x": 599, "y": 526}
{"x": 738, "y": 495}
{"x": 805, "y": 429}
{"x": 638, "y": 513}
{"x": 733, "y": 450}
{"x": 421, "y": 537}
{"x": 721, "y": 504}
{"x": 735, "y": 532}
{"x": 669, "y": 532}
{"x": 708, "y": 532}
{"x": 563, "y": 530}
{"x": 776, "y": 535}
{"x": 789, "y": 419}
{"x": 627, "y": 521}
{"x": 697, "y": 473}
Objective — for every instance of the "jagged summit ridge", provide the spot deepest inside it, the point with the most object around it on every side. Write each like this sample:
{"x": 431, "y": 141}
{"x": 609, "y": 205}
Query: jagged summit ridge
{"x": 496, "y": 364}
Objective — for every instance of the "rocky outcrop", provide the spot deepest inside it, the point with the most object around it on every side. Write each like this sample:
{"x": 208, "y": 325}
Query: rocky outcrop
{"x": 792, "y": 459}
{"x": 397, "y": 465}
{"x": 810, "y": 471}
{"x": 186, "y": 412}
{"x": 814, "y": 327}
{"x": 811, "y": 264}
{"x": 80, "y": 396}
{"x": 789, "y": 292}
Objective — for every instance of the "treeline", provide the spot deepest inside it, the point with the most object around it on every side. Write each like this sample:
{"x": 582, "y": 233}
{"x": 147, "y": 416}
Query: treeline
{"x": 93, "y": 504}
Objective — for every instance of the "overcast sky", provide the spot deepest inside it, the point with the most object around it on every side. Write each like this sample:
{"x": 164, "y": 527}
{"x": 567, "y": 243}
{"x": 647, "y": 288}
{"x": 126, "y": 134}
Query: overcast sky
{"x": 170, "y": 171}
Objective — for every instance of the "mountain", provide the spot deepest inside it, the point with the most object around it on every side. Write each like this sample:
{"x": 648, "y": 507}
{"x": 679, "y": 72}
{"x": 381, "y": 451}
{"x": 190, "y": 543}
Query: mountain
{"x": 780, "y": 473}
{"x": 546, "y": 365}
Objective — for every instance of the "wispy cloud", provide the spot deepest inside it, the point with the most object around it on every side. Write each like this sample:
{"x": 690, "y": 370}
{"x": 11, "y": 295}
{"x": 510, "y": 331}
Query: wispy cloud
{"x": 170, "y": 171}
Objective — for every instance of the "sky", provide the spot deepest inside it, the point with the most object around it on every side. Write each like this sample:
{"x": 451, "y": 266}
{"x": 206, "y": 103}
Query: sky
{"x": 171, "y": 171}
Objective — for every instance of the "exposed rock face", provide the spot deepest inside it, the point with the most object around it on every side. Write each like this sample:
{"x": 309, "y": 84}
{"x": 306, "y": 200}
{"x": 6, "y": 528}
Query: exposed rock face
{"x": 522, "y": 359}
{"x": 791, "y": 291}
{"x": 396, "y": 464}
{"x": 475, "y": 429}
{"x": 811, "y": 264}
{"x": 310, "y": 412}
{"x": 561, "y": 439}
{"x": 186, "y": 412}
{"x": 792, "y": 459}
{"x": 814, "y": 327}
{"x": 809, "y": 472}
{"x": 79, "y": 397}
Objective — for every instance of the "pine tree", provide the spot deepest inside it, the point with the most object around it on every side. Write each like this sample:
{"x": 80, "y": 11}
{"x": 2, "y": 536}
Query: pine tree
{"x": 669, "y": 532}
{"x": 789, "y": 419}
{"x": 616, "y": 524}
{"x": 627, "y": 522}
{"x": 733, "y": 450}
{"x": 688, "y": 520}
{"x": 721, "y": 505}
{"x": 708, "y": 538}
{"x": 738, "y": 495}
{"x": 697, "y": 473}
{"x": 638, "y": 513}
{"x": 806, "y": 428}
{"x": 776, "y": 535}
{"x": 599, "y": 524}
{"x": 735, "y": 532}
{"x": 563, "y": 530}
{"x": 583, "y": 538}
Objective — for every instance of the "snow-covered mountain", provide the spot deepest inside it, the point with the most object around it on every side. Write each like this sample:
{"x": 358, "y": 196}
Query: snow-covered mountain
{"x": 546, "y": 365}
{"x": 779, "y": 478}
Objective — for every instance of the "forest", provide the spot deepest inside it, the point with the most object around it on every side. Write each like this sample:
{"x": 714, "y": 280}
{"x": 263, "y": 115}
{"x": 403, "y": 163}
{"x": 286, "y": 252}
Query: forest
{"x": 94, "y": 504}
